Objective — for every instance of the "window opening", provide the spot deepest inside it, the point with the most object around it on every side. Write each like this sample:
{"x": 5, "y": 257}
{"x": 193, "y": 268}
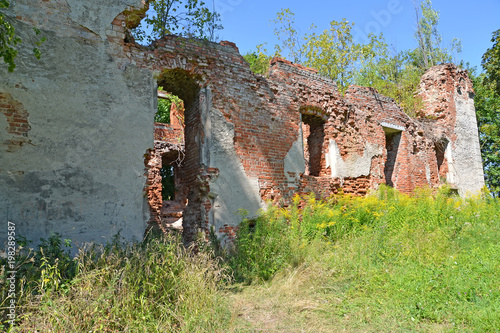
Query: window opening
{"x": 169, "y": 106}
{"x": 440, "y": 150}
{"x": 313, "y": 128}
{"x": 167, "y": 182}
{"x": 392, "y": 139}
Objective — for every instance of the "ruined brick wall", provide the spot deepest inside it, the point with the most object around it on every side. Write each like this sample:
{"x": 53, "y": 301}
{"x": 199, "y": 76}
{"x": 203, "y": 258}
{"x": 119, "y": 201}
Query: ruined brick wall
{"x": 79, "y": 123}
{"x": 449, "y": 111}
{"x": 17, "y": 127}
{"x": 262, "y": 126}
{"x": 415, "y": 164}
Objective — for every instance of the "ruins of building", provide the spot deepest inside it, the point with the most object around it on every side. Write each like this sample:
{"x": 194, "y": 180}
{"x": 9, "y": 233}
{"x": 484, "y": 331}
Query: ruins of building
{"x": 77, "y": 130}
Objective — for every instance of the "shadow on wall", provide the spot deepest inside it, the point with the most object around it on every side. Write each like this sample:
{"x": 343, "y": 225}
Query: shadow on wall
{"x": 392, "y": 139}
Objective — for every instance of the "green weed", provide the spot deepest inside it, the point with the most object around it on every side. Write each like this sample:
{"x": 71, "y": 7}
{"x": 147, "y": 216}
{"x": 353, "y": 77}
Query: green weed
{"x": 156, "y": 286}
{"x": 382, "y": 263}
{"x": 429, "y": 261}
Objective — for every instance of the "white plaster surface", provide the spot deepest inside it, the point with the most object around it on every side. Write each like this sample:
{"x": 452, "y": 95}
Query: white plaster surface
{"x": 82, "y": 174}
{"x": 467, "y": 171}
{"x": 353, "y": 165}
{"x": 234, "y": 189}
{"x": 294, "y": 162}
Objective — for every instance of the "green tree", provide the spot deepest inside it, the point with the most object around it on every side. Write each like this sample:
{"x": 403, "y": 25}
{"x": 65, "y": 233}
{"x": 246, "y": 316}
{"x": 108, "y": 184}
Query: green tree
{"x": 290, "y": 45}
{"x": 393, "y": 75}
{"x": 258, "y": 60}
{"x": 335, "y": 54}
{"x": 190, "y": 18}
{"x": 398, "y": 75}
{"x": 430, "y": 50}
{"x": 164, "y": 106}
{"x": 487, "y": 103}
{"x": 491, "y": 62}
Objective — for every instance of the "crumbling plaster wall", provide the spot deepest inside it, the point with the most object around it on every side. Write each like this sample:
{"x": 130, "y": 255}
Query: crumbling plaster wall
{"x": 234, "y": 194}
{"x": 255, "y": 134}
{"x": 79, "y": 122}
{"x": 79, "y": 168}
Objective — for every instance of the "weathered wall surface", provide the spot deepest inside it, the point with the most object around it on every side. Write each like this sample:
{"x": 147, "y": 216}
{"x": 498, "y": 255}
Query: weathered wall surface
{"x": 74, "y": 126}
{"x": 291, "y": 132}
{"x": 449, "y": 102}
{"x": 79, "y": 123}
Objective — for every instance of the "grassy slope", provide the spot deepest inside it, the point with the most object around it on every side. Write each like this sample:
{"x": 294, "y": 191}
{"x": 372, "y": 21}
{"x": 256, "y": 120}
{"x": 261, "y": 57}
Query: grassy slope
{"x": 427, "y": 263}
{"x": 383, "y": 263}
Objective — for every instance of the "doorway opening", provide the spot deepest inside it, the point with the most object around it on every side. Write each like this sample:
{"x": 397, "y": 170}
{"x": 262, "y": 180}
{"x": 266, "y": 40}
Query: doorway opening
{"x": 174, "y": 163}
{"x": 173, "y": 193}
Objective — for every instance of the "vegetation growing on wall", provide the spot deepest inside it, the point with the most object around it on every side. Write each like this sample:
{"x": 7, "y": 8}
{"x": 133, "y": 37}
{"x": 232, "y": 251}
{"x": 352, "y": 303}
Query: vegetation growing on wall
{"x": 258, "y": 60}
{"x": 9, "y": 39}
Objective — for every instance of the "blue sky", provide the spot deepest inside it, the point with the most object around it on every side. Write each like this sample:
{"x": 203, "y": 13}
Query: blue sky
{"x": 247, "y": 22}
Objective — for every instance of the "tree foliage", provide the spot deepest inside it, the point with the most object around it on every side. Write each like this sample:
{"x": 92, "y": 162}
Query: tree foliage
{"x": 428, "y": 52}
{"x": 335, "y": 54}
{"x": 189, "y": 18}
{"x": 8, "y": 39}
{"x": 397, "y": 75}
{"x": 290, "y": 45}
{"x": 258, "y": 60}
{"x": 491, "y": 62}
{"x": 164, "y": 105}
{"x": 487, "y": 103}
{"x": 394, "y": 75}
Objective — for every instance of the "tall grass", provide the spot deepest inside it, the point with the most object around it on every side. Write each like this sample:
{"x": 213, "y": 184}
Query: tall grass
{"x": 425, "y": 258}
{"x": 157, "y": 286}
{"x": 385, "y": 262}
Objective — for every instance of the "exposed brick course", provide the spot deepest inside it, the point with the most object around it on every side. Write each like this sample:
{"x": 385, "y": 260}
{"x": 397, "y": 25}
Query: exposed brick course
{"x": 17, "y": 119}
